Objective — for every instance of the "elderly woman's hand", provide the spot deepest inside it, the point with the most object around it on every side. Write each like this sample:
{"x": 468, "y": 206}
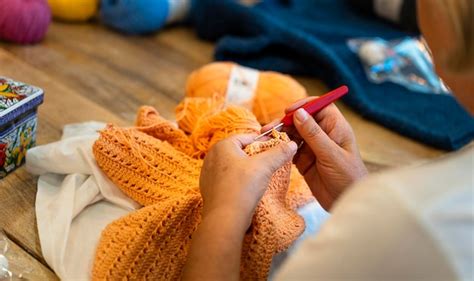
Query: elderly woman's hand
{"x": 329, "y": 158}
{"x": 233, "y": 183}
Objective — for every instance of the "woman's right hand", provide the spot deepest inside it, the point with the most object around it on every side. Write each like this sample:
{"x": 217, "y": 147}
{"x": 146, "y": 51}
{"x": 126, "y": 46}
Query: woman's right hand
{"x": 329, "y": 158}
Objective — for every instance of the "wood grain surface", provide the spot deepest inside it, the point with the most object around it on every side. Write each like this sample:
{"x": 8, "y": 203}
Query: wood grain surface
{"x": 23, "y": 265}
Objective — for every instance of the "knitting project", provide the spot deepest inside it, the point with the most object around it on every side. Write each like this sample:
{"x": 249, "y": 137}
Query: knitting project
{"x": 158, "y": 164}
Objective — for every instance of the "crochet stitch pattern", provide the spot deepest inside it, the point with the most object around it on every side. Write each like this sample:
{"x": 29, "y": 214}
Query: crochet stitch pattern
{"x": 158, "y": 164}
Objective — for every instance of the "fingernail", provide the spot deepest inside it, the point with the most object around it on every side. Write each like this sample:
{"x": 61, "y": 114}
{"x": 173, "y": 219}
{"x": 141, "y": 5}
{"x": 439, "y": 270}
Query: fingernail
{"x": 301, "y": 115}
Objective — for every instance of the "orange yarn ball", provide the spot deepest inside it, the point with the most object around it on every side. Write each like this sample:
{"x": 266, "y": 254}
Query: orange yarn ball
{"x": 273, "y": 93}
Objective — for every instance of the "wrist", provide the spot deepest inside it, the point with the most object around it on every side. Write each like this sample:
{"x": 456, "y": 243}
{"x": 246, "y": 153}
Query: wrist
{"x": 228, "y": 218}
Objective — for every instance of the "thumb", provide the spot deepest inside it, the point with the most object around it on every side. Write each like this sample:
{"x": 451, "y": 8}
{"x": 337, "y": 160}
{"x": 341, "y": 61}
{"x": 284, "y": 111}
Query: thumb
{"x": 277, "y": 156}
{"x": 312, "y": 134}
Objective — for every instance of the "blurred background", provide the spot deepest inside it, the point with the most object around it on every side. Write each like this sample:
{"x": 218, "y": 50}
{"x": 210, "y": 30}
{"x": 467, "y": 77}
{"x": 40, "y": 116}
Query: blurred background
{"x": 101, "y": 60}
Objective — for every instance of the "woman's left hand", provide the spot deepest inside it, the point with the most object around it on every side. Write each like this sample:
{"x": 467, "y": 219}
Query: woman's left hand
{"x": 233, "y": 183}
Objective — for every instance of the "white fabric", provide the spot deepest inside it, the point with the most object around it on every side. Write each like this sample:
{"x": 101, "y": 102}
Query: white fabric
{"x": 74, "y": 202}
{"x": 314, "y": 216}
{"x": 411, "y": 224}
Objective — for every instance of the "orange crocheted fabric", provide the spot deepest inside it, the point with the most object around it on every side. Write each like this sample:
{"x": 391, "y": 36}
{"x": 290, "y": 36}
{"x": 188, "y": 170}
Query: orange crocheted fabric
{"x": 157, "y": 164}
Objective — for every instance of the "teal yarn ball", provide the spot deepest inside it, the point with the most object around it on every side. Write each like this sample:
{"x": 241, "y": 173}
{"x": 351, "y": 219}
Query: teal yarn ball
{"x": 135, "y": 16}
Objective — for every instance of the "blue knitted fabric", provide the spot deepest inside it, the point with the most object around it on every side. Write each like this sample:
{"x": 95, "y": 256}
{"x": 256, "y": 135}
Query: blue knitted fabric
{"x": 308, "y": 37}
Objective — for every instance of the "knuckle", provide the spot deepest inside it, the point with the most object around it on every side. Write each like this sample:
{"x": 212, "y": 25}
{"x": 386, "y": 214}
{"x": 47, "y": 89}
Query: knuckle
{"x": 285, "y": 149}
{"x": 312, "y": 131}
{"x": 220, "y": 144}
{"x": 211, "y": 153}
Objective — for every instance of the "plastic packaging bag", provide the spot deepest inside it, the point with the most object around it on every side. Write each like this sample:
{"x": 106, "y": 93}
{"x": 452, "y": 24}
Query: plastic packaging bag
{"x": 9, "y": 268}
{"x": 406, "y": 62}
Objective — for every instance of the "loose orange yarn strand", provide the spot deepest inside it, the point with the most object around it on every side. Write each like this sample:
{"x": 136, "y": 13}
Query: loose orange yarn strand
{"x": 211, "y": 129}
{"x": 189, "y": 112}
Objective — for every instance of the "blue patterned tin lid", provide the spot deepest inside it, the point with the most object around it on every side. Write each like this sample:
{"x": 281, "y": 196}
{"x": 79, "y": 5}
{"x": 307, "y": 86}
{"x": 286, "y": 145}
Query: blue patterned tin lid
{"x": 17, "y": 98}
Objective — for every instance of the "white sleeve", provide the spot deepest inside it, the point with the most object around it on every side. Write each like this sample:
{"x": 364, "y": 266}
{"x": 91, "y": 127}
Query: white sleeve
{"x": 371, "y": 235}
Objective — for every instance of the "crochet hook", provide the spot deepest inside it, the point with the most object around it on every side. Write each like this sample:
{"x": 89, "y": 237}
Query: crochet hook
{"x": 311, "y": 107}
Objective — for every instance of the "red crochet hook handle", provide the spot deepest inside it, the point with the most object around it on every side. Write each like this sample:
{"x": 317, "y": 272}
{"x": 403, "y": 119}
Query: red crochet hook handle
{"x": 318, "y": 104}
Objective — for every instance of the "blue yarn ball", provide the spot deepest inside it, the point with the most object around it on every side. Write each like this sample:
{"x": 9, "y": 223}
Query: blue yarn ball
{"x": 135, "y": 16}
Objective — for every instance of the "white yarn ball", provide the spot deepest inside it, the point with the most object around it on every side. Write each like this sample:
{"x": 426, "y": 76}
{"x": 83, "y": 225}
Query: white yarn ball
{"x": 372, "y": 52}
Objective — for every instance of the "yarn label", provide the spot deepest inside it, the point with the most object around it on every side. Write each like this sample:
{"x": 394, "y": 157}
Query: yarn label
{"x": 242, "y": 85}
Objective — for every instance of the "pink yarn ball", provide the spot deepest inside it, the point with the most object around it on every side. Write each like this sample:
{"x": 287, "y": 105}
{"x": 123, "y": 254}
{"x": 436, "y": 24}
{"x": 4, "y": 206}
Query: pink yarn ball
{"x": 24, "y": 21}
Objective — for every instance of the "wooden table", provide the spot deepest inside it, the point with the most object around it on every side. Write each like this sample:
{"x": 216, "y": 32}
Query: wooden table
{"x": 91, "y": 73}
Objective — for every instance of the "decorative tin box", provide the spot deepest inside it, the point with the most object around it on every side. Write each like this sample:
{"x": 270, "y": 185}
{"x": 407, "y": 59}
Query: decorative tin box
{"x": 18, "y": 106}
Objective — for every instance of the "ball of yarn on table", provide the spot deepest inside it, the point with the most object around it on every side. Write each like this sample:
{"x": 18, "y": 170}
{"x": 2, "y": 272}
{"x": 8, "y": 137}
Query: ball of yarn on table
{"x": 141, "y": 16}
{"x": 274, "y": 91}
{"x": 24, "y": 21}
{"x": 74, "y": 10}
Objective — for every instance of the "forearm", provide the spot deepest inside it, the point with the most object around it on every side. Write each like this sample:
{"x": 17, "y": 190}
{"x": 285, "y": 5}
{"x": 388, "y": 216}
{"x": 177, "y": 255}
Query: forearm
{"x": 216, "y": 248}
